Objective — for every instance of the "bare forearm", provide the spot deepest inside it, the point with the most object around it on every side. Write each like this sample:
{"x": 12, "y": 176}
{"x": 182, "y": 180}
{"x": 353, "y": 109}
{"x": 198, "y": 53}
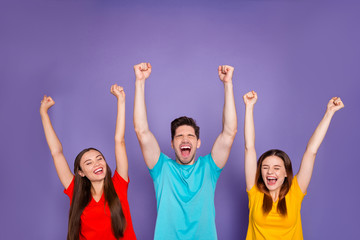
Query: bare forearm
{"x": 120, "y": 123}
{"x": 249, "y": 127}
{"x": 140, "y": 116}
{"x": 319, "y": 133}
{"x": 51, "y": 138}
{"x": 229, "y": 111}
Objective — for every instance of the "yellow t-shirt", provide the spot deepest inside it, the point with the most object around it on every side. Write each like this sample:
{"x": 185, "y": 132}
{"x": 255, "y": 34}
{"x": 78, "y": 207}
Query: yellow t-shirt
{"x": 273, "y": 225}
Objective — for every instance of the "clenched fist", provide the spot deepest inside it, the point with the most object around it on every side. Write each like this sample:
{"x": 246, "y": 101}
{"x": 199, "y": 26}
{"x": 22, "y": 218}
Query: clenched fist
{"x": 335, "y": 104}
{"x": 225, "y": 73}
{"x": 250, "y": 98}
{"x": 142, "y": 71}
{"x": 118, "y": 92}
{"x": 46, "y": 103}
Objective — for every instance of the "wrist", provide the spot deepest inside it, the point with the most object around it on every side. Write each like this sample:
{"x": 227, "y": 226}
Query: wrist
{"x": 43, "y": 112}
{"x": 227, "y": 83}
{"x": 329, "y": 113}
{"x": 249, "y": 106}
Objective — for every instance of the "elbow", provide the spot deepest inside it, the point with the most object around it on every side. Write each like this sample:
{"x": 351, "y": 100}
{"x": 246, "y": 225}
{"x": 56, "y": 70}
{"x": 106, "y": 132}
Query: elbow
{"x": 231, "y": 132}
{"x": 249, "y": 148}
{"x": 140, "y": 133}
{"x": 119, "y": 140}
{"x": 311, "y": 151}
{"x": 56, "y": 152}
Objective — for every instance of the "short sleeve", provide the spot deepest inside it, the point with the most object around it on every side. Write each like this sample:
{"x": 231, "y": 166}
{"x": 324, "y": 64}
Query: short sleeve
{"x": 120, "y": 184}
{"x": 156, "y": 170}
{"x": 251, "y": 194}
{"x": 214, "y": 168}
{"x": 296, "y": 188}
{"x": 70, "y": 189}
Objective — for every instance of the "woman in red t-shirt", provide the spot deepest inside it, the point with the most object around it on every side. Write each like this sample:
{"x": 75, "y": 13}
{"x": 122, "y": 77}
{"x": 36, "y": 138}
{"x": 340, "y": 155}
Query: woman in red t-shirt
{"x": 99, "y": 207}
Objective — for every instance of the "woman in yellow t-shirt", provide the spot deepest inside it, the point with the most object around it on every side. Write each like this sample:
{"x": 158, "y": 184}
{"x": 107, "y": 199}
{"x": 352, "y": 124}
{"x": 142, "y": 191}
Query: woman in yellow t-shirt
{"x": 275, "y": 196}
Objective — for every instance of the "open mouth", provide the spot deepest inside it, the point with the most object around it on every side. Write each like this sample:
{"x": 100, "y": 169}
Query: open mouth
{"x": 98, "y": 171}
{"x": 185, "y": 150}
{"x": 271, "y": 180}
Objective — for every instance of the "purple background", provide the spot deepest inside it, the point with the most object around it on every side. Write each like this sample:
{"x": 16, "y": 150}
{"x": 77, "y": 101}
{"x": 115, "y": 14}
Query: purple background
{"x": 295, "y": 54}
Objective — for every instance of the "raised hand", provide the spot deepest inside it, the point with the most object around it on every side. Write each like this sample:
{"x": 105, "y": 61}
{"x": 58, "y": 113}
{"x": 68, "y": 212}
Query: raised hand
{"x": 118, "y": 92}
{"x": 250, "y": 98}
{"x": 142, "y": 71}
{"x": 335, "y": 104}
{"x": 46, "y": 103}
{"x": 225, "y": 73}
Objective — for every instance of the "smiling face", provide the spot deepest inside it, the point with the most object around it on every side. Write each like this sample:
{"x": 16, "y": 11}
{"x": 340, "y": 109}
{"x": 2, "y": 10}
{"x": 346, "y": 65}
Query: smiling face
{"x": 273, "y": 173}
{"x": 93, "y": 166}
{"x": 185, "y": 144}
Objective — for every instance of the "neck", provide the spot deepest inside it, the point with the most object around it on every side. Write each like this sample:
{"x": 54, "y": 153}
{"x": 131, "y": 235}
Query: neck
{"x": 191, "y": 162}
{"x": 97, "y": 188}
{"x": 274, "y": 195}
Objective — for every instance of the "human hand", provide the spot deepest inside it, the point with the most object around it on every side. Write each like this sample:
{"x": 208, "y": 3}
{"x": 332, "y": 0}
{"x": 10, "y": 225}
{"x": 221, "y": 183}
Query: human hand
{"x": 225, "y": 73}
{"x": 250, "y": 98}
{"x": 335, "y": 104}
{"x": 46, "y": 103}
{"x": 118, "y": 92}
{"x": 142, "y": 71}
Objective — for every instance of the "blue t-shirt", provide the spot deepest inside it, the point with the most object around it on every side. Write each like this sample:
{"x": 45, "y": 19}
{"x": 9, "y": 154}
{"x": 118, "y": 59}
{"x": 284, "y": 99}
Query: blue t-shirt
{"x": 185, "y": 198}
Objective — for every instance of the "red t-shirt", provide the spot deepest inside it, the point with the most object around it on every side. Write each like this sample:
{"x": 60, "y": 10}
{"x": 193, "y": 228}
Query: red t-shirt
{"x": 96, "y": 221}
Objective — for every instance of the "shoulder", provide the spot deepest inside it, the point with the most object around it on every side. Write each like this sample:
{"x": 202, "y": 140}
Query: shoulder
{"x": 208, "y": 160}
{"x": 295, "y": 189}
{"x": 162, "y": 162}
{"x": 70, "y": 189}
{"x": 120, "y": 184}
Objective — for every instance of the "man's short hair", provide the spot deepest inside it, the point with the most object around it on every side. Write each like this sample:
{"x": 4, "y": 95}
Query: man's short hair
{"x": 184, "y": 121}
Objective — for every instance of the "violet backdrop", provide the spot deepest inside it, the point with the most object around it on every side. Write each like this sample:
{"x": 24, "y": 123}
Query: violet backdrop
{"x": 295, "y": 54}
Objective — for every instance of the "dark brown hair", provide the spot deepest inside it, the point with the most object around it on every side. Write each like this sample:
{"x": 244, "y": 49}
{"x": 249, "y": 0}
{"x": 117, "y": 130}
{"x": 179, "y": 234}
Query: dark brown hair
{"x": 184, "y": 121}
{"x": 82, "y": 196}
{"x": 267, "y": 203}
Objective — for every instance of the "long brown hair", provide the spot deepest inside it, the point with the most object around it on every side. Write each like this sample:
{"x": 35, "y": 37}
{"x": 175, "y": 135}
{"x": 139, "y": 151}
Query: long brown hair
{"x": 268, "y": 202}
{"x": 82, "y": 196}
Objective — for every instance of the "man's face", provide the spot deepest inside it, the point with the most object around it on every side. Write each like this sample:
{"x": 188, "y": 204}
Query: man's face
{"x": 185, "y": 144}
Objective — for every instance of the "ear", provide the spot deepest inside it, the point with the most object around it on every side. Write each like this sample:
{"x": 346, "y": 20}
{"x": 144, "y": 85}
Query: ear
{"x": 198, "y": 143}
{"x": 172, "y": 144}
{"x": 81, "y": 173}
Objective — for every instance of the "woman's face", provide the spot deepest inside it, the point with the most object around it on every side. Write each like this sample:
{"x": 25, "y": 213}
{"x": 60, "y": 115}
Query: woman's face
{"x": 273, "y": 173}
{"x": 93, "y": 166}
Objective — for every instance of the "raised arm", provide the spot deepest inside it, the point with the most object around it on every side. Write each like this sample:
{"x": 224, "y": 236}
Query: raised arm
{"x": 61, "y": 165}
{"x": 308, "y": 160}
{"x": 148, "y": 144}
{"x": 249, "y": 134}
{"x": 222, "y": 146}
{"x": 120, "y": 148}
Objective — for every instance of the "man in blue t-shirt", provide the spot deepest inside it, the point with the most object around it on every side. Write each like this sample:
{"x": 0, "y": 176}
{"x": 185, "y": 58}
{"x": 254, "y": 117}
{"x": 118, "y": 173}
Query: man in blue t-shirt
{"x": 184, "y": 187}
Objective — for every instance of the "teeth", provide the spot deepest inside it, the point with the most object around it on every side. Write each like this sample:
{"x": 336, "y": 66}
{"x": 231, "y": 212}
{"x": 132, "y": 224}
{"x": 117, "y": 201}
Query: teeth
{"x": 271, "y": 178}
{"x": 98, "y": 170}
{"x": 185, "y": 148}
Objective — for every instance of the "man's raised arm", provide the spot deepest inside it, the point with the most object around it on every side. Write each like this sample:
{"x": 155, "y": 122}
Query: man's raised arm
{"x": 222, "y": 146}
{"x": 148, "y": 144}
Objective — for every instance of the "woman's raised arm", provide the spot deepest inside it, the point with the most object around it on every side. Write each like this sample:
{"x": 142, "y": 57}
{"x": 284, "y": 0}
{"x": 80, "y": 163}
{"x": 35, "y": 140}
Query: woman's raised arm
{"x": 61, "y": 165}
{"x": 308, "y": 160}
{"x": 120, "y": 148}
{"x": 249, "y": 134}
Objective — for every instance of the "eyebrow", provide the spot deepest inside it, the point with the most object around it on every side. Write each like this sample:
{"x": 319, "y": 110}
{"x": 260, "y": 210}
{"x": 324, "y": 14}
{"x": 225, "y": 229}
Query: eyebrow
{"x": 87, "y": 160}
{"x": 265, "y": 165}
{"x": 91, "y": 159}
